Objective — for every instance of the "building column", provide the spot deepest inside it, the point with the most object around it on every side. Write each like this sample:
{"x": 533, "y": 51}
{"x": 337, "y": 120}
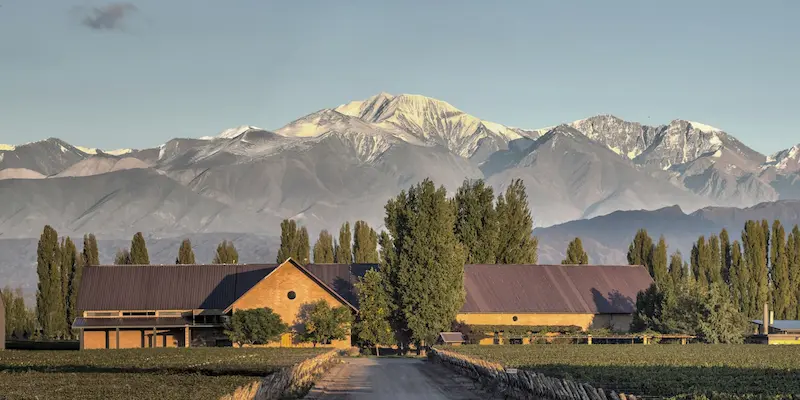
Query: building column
{"x": 155, "y": 337}
{"x": 187, "y": 340}
{"x": 118, "y": 338}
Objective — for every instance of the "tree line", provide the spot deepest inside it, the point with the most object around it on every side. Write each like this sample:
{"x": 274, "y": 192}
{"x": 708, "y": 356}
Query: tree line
{"x": 723, "y": 284}
{"x": 361, "y": 246}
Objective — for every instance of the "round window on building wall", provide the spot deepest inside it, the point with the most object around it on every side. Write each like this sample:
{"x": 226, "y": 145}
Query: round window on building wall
{"x": 514, "y": 318}
{"x": 291, "y": 295}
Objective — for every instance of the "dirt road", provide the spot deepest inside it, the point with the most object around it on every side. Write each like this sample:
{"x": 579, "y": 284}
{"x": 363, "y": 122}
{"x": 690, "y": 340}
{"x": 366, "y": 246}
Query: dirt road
{"x": 393, "y": 378}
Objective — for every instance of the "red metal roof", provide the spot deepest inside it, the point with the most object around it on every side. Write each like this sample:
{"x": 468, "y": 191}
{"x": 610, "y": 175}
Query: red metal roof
{"x": 167, "y": 287}
{"x": 589, "y": 289}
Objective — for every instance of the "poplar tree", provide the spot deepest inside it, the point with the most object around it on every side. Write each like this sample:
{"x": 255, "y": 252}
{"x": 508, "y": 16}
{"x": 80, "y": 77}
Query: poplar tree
{"x": 714, "y": 269}
{"x": 365, "y": 244}
{"x": 424, "y": 261}
{"x": 515, "y": 241}
{"x": 677, "y": 270}
{"x": 659, "y": 262}
{"x": 139, "y": 254}
{"x": 740, "y": 279}
{"x": 323, "y": 249}
{"x": 303, "y": 255}
{"x": 70, "y": 262}
{"x": 640, "y": 251}
{"x": 699, "y": 262}
{"x": 343, "y": 253}
{"x": 781, "y": 286}
{"x": 185, "y": 253}
{"x": 725, "y": 249}
{"x": 575, "y": 253}
{"x": 372, "y": 326}
{"x": 48, "y": 294}
{"x": 123, "y": 257}
{"x": 90, "y": 254}
{"x": 226, "y": 254}
{"x": 476, "y": 221}
{"x": 289, "y": 240}
{"x": 793, "y": 260}
{"x": 753, "y": 242}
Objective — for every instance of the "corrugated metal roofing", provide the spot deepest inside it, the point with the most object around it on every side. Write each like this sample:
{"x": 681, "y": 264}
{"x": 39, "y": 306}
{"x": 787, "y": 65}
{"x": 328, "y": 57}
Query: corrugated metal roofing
{"x": 167, "y": 287}
{"x": 341, "y": 277}
{"x": 786, "y": 325}
{"x": 589, "y": 289}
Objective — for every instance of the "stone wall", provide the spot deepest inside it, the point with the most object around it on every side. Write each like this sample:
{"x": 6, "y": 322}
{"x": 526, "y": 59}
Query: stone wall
{"x": 290, "y": 382}
{"x": 520, "y": 384}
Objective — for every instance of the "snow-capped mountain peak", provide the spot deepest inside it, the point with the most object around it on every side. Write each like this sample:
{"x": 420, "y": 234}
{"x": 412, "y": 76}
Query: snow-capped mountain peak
{"x": 416, "y": 119}
{"x": 232, "y": 132}
{"x": 785, "y": 161}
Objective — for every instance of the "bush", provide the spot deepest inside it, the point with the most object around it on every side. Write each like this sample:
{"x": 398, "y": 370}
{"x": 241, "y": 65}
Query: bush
{"x": 255, "y": 326}
{"x": 323, "y": 323}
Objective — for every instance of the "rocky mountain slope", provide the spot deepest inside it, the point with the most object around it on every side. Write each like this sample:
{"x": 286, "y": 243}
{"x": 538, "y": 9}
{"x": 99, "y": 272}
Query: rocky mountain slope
{"x": 344, "y": 162}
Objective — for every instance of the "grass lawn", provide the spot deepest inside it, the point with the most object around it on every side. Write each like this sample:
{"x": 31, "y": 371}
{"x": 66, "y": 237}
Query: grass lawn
{"x": 716, "y": 371}
{"x": 198, "y": 373}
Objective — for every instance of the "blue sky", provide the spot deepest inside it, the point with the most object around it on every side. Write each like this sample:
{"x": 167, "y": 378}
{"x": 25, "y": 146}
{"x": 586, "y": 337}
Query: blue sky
{"x": 182, "y": 68}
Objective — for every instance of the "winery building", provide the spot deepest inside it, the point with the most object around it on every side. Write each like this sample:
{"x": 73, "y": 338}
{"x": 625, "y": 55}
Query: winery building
{"x": 186, "y": 305}
{"x": 541, "y": 296}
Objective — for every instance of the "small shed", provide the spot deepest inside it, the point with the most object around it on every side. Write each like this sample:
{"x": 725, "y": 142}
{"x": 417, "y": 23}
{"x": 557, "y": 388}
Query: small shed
{"x": 450, "y": 338}
{"x": 2, "y": 324}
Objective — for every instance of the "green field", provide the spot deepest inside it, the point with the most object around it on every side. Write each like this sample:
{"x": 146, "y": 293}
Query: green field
{"x": 716, "y": 371}
{"x": 200, "y": 373}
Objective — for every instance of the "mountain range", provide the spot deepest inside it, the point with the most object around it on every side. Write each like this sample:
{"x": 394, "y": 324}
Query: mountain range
{"x": 343, "y": 163}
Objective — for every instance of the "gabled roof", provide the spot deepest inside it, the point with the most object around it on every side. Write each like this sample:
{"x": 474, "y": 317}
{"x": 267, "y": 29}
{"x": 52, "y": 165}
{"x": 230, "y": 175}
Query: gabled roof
{"x": 311, "y": 276}
{"x": 342, "y": 277}
{"x": 586, "y": 289}
{"x": 167, "y": 287}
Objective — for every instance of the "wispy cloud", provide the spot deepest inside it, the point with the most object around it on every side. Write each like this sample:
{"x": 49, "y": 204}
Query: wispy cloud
{"x": 108, "y": 17}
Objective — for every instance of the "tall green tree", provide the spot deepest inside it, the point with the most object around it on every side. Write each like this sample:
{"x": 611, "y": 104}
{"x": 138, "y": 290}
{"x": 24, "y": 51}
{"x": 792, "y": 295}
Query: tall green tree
{"x": 700, "y": 261}
{"x": 793, "y": 260}
{"x": 289, "y": 240}
{"x": 640, "y": 251}
{"x": 70, "y": 261}
{"x": 185, "y": 253}
{"x": 781, "y": 286}
{"x": 658, "y": 264}
{"x": 677, "y": 269}
{"x": 476, "y": 221}
{"x": 20, "y": 321}
{"x": 303, "y": 246}
{"x": 714, "y": 269}
{"x": 739, "y": 277}
{"x": 374, "y": 311}
{"x": 575, "y": 253}
{"x": 123, "y": 257}
{"x": 754, "y": 245}
{"x": 90, "y": 252}
{"x": 226, "y": 254}
{"x": 515, "y": 241}
{"x": 49, "y": 296}
{"x": 424, "y": 261}
{"x": 323, "y": 248}
{"x": 139, "y": 254}
{"x": 725, "y": 248}
{"x": 365, "y": 244}
{"x": 343, "y": 252}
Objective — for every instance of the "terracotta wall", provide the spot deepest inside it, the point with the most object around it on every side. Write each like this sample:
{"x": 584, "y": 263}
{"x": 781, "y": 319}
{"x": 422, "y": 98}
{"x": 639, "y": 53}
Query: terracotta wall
{"x": 131, "y": 338}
